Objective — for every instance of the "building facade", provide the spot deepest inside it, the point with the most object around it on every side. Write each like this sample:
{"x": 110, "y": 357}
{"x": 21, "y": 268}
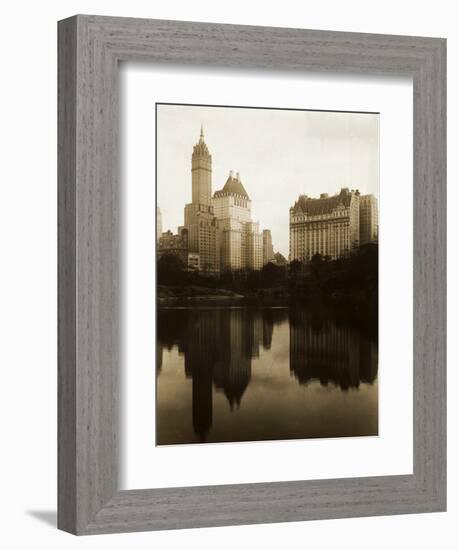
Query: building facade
{"x": 175, "y": 245}
{"x": 199, "y": 218}
{"x": 241, "y": 240}
{"x": 368, "y": 219}
{"x": 267, "y": 247}
{"x": 328, "y": 226}
{"x": 254, "y": 246}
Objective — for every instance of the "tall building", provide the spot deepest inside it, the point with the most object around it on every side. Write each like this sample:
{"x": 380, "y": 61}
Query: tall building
{"x": 253, "y": 245}
{"x": 220, "y": 232}
{"x": 267, "y": 248}
{"x": 158, "y": 223}
{"x": 328, "y": 226}
{"x": 368, "y": 219}
{"x": 241, "y": 240}
{"x": 199, "y": 219}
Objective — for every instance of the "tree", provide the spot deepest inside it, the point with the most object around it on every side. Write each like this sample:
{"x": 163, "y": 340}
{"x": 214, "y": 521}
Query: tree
{"x": 295, "y": 267}
{"x": 317, "y": 259}
{"x": 279, "y": 259}
{"x": 252, "y": 279}
{"x": 227, "y": 278}
{"x": 317, "y": 265}
{"x": 170, "y": 270}
{"x": 271, "y": 275}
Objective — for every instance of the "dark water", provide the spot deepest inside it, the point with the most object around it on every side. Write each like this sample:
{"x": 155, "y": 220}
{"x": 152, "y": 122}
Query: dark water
{"x": 251, "y": 374}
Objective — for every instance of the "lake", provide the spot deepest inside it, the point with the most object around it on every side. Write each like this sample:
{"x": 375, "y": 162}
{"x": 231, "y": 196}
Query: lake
{"x": 262, "y": 373}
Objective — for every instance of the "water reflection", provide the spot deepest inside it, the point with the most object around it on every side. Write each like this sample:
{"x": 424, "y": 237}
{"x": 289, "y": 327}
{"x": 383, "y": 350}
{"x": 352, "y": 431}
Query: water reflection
{"x": 322, "y": 350}
{"x": 219, "y": 346}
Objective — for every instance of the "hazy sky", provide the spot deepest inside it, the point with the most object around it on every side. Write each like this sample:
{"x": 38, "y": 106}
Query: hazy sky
{"x": 279, "y": 154}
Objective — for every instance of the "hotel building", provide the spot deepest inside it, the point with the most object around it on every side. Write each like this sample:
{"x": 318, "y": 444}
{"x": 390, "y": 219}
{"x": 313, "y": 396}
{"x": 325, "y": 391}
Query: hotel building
{"x": 328, "y": 226}
{"x": 241, "y": 240}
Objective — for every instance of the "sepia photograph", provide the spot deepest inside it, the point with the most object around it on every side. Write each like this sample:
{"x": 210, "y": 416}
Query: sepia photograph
{"x": 267, "y": 233}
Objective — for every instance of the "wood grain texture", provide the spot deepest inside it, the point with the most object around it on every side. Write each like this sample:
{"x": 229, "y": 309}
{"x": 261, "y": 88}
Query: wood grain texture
{"x": 90, "y": 48}
{"x": 67, "y": 437}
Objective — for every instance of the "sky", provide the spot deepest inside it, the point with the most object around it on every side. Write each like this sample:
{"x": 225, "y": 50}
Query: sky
{"x": 280, "y": 155}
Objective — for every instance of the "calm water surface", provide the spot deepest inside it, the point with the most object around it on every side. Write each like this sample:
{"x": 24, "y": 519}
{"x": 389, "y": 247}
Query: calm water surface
{"x": 251, "y": 374}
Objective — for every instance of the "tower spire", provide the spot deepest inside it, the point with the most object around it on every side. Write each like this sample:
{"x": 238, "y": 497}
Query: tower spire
{"x": 201, "y": 171}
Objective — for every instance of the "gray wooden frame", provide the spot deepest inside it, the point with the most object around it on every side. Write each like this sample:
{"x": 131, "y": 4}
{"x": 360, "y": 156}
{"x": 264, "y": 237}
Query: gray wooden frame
{"x": 90, "y": 48}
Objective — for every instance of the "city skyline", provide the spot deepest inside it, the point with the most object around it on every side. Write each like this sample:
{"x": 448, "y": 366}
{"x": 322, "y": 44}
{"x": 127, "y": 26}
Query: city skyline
{"x": 305, "y": 152}
{"x": 251, "y": 346}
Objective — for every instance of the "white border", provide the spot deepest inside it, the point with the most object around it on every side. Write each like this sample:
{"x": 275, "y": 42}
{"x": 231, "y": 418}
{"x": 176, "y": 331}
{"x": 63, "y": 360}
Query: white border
{"x": 142, "y": 464}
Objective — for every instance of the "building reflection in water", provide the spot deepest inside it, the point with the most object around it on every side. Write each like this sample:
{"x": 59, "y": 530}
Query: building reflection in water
{"x": 320, "y": 349}
{"x": 219, "y": 345}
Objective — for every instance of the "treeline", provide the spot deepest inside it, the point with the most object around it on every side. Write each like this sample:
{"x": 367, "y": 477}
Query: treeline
{"x": 350, "y": 278}
{"x": 172, "y": 272}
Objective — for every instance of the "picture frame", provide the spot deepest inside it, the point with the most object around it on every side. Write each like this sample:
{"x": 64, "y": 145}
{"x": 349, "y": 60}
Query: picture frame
{"x": 90, "y": 49}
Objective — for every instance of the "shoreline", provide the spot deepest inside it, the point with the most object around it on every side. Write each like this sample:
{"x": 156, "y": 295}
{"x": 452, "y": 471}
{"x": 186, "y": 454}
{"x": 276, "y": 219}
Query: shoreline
{"x": 349, "y": 302}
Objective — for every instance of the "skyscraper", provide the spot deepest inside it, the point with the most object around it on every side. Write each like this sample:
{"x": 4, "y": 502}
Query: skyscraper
{"x": 241, "y": 241}
{"x": 201, "y": 172}
{"x": 267, "y": 248}
{"x": 368, "y": 219}
{"x": 199, "y": 219}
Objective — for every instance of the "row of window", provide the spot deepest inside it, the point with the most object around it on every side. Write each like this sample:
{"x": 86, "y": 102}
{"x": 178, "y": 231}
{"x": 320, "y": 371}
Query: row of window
{"x": 312, "y": 218}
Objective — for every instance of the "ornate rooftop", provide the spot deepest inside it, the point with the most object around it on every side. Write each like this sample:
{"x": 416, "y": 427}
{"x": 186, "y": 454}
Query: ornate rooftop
{"x": 200, "y": 148}
{"x": 323, "y": 205}
{"x": 233, "y": 186}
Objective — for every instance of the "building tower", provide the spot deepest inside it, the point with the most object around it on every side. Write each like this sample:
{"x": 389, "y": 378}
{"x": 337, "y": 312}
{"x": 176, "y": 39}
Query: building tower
{"x": 201, "y": 172}
{"x": 267, "y": 248}
{"x": 368, "y": 219}
{"x": 241, "y": 241}
{"x": 199, "y": 220}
